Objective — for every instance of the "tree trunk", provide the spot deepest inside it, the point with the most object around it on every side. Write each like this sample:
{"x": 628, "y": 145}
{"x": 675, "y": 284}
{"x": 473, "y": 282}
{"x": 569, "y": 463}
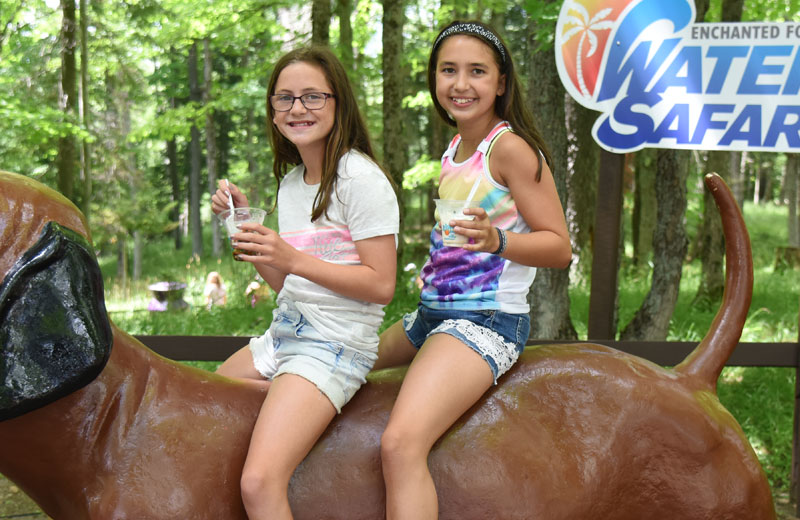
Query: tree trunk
{"x": 251, "y": 127}
{"x": 122, "y": 264}
{"x": 766, "y": 167}
{"x": 67, "y": 160}
{"x": 644, "y": 206}
{"x": 173, "y": 174}
{"x": 223, "y": 119}
{"x": 738, "y": 177}
{"x": 791, "y": 176}
{"x": 175, "y": 185}
{"x": 758, "y": 189}
{"x": 762, "y": 191}
{"x": 701, "y": 8}
{"x": 344, "y": 10}
{"x": 710, "y": 245}
{"x": 394, "y": 150}
{"x": 195, "y": 224}
{"x": 732, "y": 10}
{"x": 128, "y": 161}
{"x": 583, "y": 158}
{"x": 497, "y": 17}
{"x": 727, "y": 164}
{"x": 138, "y": 252}
{"x": 211, "y": 143}
{"x": 549, "y": 296}
{"x": 651, "y": 321}
{"x": 86, "y": 158}
{"x": 320, "y": 22}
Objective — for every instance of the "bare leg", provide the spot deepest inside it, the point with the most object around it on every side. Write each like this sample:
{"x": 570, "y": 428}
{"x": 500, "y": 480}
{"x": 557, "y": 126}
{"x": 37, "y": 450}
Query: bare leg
{"x": 293, "y": 416}
{"x": 394, "y": 348}
{"x": 444, "y": 380}
{"x": 240, "y": 366}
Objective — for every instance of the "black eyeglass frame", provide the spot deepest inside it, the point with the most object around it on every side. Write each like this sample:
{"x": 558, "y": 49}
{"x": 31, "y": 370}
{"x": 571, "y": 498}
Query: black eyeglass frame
{"x": 325, "y": 95}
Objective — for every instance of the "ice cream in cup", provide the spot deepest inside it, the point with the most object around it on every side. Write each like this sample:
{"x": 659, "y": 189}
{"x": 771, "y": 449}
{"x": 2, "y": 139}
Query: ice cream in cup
{"x": 451, "y": 209}
{"x": 233, "y": 218}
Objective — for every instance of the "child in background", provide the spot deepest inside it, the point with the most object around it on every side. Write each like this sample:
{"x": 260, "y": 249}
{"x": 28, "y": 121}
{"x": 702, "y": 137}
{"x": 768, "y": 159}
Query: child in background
{"x": 333, "y": 263}
{"x": 215, "y": 293}
{"x": 472, "y": 321}
{"x": 256, "y": 292}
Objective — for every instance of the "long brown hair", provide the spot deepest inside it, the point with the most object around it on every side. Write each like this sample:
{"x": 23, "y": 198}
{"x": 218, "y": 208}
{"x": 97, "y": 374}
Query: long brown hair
{"x": 349, "y": 130}
{"x": 510, "y": 106}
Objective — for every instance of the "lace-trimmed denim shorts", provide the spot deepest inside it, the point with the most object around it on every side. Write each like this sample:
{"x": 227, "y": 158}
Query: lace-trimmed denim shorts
{"x": 293, "y": 346}
{"x": 499, "y": 337}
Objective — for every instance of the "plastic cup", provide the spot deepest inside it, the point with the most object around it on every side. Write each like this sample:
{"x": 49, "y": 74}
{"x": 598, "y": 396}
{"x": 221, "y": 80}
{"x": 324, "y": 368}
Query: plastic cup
{"x": 451, "y": 209}
{"x": 232, "y": 219}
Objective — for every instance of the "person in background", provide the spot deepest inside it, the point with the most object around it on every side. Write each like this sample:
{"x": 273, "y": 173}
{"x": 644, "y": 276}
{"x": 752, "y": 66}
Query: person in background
{"x": 257, "y": 292}
{"x": 214, "y": 292}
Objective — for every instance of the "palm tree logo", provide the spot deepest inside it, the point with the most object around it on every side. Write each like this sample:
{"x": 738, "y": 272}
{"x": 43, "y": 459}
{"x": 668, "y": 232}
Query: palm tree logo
{"x": 586, "y": 27}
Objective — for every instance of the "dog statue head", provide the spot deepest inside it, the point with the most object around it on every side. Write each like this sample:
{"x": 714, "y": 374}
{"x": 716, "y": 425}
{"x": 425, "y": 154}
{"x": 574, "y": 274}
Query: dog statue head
{"x": 51, "y": 297}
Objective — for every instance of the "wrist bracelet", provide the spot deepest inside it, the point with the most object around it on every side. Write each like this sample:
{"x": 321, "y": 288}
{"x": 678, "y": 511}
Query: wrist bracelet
{"x": 501, "y": 235}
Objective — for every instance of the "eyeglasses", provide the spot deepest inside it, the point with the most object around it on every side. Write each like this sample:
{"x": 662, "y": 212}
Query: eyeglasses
{"x": 312, "y": 101}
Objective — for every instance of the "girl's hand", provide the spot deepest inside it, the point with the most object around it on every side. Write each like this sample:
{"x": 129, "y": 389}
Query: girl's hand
{"x": 480, "y": 230}
{"x": 264, "y": 246}
{"x": 219, "y": 200}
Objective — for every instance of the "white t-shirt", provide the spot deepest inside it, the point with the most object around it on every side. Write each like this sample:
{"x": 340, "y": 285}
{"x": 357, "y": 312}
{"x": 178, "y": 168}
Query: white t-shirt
{"x": 363, "y": 205}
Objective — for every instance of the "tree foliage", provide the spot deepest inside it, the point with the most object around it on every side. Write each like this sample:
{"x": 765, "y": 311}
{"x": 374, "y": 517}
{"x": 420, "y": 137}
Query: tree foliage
{"x": 143, "y": 110}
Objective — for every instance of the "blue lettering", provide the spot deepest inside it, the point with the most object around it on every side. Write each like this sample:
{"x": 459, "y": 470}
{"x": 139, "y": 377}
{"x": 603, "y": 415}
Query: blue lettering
{"x": 780, "y": 126}
{"x": 631, "y": 29}
{"x": 756, "y": 67}
{"x": 724, "y": 56}
{"x": 624, "y": 114}
{"x": 679, "y": 114}
{"x": 692, "y": 59}
{"x": 705, "y": 122}
{"x": 750, "y": 116}
{"x": 792, "y": 85}
{"x": 636, "y": 67}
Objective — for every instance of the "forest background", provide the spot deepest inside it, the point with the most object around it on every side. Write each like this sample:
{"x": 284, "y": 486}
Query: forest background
{"x": 134, "y": 108}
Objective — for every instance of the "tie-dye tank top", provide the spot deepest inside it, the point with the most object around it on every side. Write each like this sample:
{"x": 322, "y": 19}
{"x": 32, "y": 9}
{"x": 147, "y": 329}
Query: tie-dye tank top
{"x": 455, "y": 278}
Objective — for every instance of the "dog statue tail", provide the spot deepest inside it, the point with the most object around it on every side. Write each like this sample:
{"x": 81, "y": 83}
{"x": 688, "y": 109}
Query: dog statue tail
{"x": 705, "y": 363}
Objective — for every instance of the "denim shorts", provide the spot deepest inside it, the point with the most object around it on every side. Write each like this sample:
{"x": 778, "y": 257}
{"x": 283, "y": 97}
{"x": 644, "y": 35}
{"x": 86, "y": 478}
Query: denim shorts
{"x": 293, "y": 346}
{"x": 499, "y": 337}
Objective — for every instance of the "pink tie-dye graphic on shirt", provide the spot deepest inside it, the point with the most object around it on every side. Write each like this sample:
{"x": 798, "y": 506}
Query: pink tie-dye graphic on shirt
{"x": 326, "y": 243}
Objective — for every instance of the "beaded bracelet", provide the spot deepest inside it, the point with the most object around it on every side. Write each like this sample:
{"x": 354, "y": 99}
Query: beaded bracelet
{"x": 501, "y": 235}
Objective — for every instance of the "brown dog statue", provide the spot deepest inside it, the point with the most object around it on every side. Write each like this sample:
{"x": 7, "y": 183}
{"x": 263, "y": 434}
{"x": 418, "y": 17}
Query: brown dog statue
{"x": 93, "y": 425}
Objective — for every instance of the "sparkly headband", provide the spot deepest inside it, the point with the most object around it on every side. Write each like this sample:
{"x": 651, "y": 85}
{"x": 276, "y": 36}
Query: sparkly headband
{"x": 474, "y": 29}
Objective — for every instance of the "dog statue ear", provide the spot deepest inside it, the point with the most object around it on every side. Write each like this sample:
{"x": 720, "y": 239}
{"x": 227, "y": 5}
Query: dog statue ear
{"x": 55, "y": 336}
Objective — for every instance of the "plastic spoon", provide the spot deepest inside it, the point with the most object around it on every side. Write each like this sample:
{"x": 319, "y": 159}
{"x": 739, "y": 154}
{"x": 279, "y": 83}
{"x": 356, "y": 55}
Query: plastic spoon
{"x": 228, "y": 193}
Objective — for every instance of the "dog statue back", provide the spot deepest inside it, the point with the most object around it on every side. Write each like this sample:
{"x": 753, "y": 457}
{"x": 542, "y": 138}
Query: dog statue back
{"x": 571, "y": 432}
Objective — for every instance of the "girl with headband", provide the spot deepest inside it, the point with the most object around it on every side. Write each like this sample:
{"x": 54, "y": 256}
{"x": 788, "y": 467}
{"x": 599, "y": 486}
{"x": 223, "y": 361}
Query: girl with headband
{"x": 472, "y": 321}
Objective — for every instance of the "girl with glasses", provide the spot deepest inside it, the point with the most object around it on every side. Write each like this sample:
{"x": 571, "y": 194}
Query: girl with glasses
{"x": 332, "y": 263}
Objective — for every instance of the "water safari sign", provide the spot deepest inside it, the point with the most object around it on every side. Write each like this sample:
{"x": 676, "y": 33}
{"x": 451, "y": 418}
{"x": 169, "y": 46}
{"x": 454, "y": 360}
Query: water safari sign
{"x": 662, "y": 81}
